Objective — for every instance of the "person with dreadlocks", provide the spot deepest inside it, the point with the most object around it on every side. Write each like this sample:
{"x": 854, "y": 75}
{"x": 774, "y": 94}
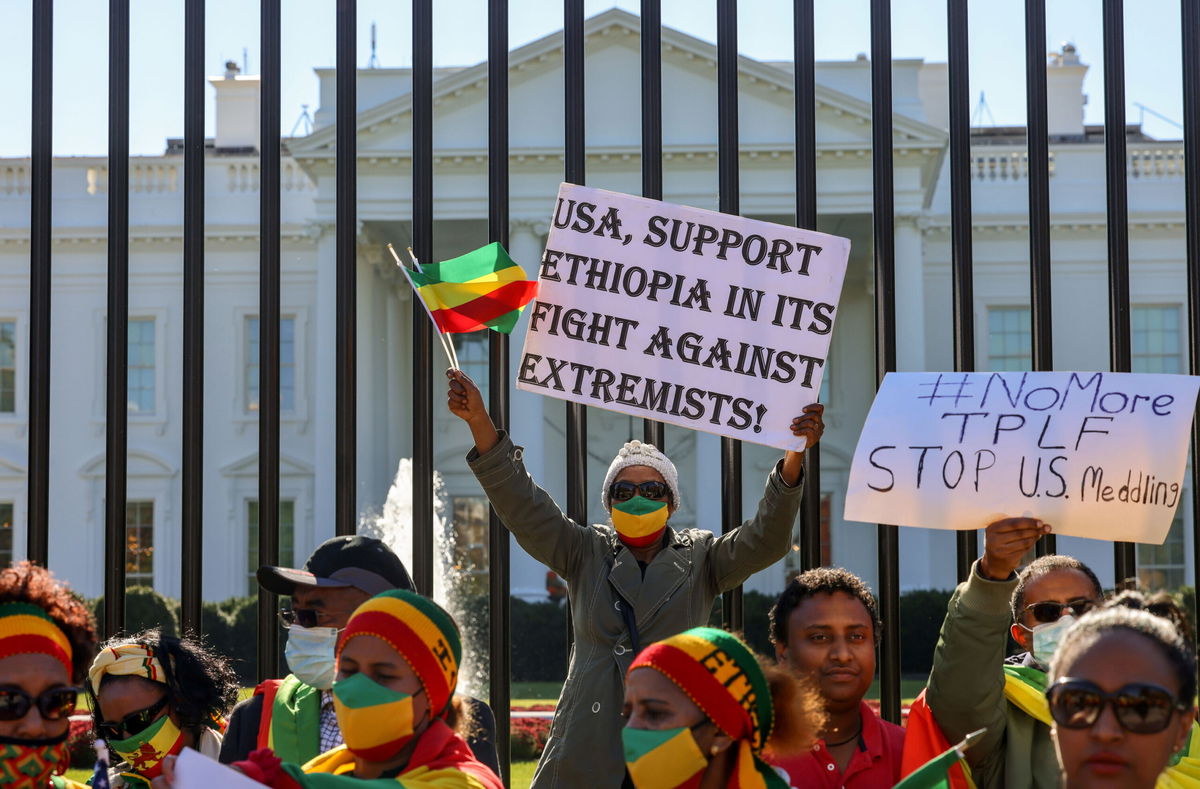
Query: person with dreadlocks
{"x": 152, "y": 696}
{"x": 702, "y": 710}
{"x": 47, "y": 639}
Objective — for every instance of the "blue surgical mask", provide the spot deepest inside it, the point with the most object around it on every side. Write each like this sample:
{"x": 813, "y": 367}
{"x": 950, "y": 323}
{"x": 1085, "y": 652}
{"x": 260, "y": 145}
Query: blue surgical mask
{"x": 1047, "y": 637}
{"x": 310, "y": 654}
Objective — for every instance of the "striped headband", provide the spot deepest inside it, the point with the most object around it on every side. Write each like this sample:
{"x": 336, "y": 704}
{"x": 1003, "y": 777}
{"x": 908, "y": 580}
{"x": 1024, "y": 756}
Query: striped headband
{"x": 421, "y": 631}
{"x": 26, "y": 629}
{"x": 126, "y": 660}
{"x": 720, "y": 673}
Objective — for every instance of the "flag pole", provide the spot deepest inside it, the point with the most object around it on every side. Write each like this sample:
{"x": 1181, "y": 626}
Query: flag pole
{"x": 447, "y": 347}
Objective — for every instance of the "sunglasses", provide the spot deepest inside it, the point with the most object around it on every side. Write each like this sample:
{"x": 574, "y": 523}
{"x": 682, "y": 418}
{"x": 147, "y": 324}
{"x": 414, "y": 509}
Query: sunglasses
{"x": 1139, "y": 708}
{"x": 131, "y": 724}
{"x": 1051, "y": 611}
{"x": 54, "y": 704}
{"x": 306, "y": 617}
{"x": 625, "y": 490}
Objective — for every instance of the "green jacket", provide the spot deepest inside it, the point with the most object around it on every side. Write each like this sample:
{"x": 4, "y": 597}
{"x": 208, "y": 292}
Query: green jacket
{"x": 966, "y": 691}
{"x": 677, "y": 593}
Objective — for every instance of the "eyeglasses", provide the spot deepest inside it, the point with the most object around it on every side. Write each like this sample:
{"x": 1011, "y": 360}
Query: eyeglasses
{"x": 626, "y": 490}
{"x": 307, "y": 617}
{"x": 54, "y": 704}
{"x": 1050, "y": 611}
{"x": 131, "y": 724}
{"x": 1139, "y": 708}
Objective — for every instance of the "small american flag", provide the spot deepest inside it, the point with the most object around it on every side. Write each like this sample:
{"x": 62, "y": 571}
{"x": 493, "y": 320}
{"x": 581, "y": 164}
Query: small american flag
{"x": 100, "y": 775}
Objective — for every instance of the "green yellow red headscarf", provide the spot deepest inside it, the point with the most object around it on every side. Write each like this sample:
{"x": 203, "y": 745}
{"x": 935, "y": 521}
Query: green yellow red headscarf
{"x": 421, "y": 631}
{"x": 126, "y": 660}
{"x": 721, "y": 675}
{"x": 26, "y": 629}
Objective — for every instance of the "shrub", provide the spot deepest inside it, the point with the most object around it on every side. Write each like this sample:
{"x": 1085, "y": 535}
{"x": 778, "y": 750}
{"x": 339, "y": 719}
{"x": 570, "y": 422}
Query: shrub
{"x": 529, "y": 737}
{"x": 144, "y": 609}
{"x": 79, "y": 742}
{"x": 539, "y": 643}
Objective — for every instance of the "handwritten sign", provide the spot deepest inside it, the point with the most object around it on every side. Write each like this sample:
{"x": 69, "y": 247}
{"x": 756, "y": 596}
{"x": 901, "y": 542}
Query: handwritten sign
{"x": 196, "y": 771}
{"x": 699, "y": 319}
{"x": 1093, "y": 454}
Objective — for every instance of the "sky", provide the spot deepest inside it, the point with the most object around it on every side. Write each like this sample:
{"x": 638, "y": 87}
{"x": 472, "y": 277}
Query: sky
{"x": 1152, "y": 53}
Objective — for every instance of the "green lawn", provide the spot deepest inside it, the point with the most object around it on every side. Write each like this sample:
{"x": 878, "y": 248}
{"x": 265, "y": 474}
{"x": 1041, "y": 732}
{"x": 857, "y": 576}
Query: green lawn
{"x": 522, "y": 774}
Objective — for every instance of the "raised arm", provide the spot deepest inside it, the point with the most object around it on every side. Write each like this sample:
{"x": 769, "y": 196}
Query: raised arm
{"x": 526, "y": 509}
{"x": 764, "y": 539}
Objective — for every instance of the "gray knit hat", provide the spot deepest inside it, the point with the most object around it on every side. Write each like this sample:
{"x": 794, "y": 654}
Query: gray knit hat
{"x": 635, "y": 453}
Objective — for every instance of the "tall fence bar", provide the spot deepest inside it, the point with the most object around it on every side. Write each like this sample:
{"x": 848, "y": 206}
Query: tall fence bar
{"x": 192, "y": 521}
{"x": 499, "y": 581}
{"x": 422, "y": 234}
{"x": 268, "y": 332}
{"x": 1124, "y": 556}
{"x": 1038, "y": 147}
{"x": 116, "y": 384}
{"x": 1190, "y": 36}
{"x": 805, "y": 62}
{"x": 346, "y": 207}
{"x": 37, "y": 542}
{"x": 961, "y": 265}
{"x": 653, "y": 431}
{"x": 574, "y": 171}
{"x": 884, "y": 240}
{"x": 729, "y": 200}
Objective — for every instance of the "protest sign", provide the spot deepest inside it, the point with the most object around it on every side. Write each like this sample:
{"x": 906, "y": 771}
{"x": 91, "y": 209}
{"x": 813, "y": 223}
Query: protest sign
{"x": 692, "y": 317}
{"x": 1097, "y": 455}
{"x": 193, "y": 770}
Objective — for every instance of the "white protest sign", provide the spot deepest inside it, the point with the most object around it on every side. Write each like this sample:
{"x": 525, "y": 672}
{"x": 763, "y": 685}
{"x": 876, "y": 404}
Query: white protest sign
{"x": 1097, "y": 455}
{"x": 686, "y": 316}
{"x": 193, "y": 770}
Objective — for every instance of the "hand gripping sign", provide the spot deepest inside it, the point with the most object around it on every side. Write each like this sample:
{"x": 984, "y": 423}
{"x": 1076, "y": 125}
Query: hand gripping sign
{"x": 1097, "y": 455}
{"x": 692, "y": 317}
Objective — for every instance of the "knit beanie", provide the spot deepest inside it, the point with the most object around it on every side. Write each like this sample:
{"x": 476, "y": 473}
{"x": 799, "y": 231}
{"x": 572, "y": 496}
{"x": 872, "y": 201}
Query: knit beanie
{"x": 635, "y": 453}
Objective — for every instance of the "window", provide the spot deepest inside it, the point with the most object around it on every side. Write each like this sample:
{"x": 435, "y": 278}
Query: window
{"x": 140, "y": 372}
{"x": 1162, "y": 566}
{"x": 470, "y": 515}
{"x": 8, "y": 367}
{"x": 1155, "y": 340}
{"x": 287, "y": 537}
{"x": 139, "y": 543}
{"x": 287, "y": 363}
{"x": 472, "y": 350}
{"x": 1010, "y": 345}
{"x": 6, "y": 533}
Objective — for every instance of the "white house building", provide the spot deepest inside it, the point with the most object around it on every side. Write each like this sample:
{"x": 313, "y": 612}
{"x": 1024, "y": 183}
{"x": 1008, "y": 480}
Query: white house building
{"x": 999, "y": 186}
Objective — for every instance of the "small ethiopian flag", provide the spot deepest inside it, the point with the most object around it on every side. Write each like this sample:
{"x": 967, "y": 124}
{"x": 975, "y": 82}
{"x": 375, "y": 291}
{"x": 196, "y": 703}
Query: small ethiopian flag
{"x": 483, "y": 289}
{"x": 935, "y": 773}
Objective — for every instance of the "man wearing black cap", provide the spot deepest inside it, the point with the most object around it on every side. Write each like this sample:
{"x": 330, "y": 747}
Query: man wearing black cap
{"x": 294, "y": 716}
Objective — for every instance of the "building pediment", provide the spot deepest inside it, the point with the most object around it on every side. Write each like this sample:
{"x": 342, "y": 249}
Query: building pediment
{"x": 248, "y": 467}
{"x": 613, "y": 102}
{"x": 138, "y": 463}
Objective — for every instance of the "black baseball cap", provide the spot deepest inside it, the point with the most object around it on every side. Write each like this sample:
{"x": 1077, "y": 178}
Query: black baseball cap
{"x": 348, "y": 561}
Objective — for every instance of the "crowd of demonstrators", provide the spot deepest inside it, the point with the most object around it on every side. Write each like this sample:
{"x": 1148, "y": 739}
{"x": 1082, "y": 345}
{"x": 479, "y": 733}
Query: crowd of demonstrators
{"x": 702, "y": 710}
{"x": 825, "y": 626}
{"x": 152, "y": 695}
{"x": 47, "y": 639}
{"x": 633, "y": 582}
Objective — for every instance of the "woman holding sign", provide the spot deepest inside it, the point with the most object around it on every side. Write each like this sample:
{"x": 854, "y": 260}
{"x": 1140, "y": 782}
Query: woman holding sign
{"x": 633, "y": 581}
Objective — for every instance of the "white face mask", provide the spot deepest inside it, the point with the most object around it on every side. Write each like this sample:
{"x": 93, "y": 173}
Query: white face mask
{"x": 1047, "y": 636}
{"x": 310, "y": 654}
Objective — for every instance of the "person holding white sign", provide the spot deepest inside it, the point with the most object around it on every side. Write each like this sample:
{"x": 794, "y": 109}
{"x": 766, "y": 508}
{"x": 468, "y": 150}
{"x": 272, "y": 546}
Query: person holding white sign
{"x": 972, "y": 685}
{"x": 633, "y": 581}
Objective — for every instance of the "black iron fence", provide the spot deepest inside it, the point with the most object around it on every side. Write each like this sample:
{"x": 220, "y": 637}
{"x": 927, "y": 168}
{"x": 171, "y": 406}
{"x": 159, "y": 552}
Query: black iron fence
{"x": 423, "y": 377}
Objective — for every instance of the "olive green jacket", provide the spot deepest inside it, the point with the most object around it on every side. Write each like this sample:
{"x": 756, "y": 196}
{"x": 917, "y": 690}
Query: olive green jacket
{"x": 677, "y": 593}
{"x": 966, "y": 691}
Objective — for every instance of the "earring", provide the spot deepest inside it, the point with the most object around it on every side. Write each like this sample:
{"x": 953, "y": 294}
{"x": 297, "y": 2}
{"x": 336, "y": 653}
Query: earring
{"x": 714, "y": 750}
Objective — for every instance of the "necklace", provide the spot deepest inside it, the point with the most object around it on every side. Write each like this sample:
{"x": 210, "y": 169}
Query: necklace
{"x": 851, "y": 738}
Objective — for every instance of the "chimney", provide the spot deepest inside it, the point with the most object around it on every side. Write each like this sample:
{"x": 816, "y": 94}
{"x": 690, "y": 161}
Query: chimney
{"x": 1064, "y": 92}
{"x": 237, "y": 110}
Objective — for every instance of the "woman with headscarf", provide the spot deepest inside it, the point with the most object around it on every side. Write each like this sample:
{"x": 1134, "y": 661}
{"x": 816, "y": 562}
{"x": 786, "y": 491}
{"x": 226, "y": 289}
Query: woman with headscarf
{"x": 152, "y": 696}
{"x": 632, "y": 581}
{"x": 397, "y": 673}
{"x": 47, "y": 639}
{"x": 1121, "y": 692}
{"x": 702, "y": 709}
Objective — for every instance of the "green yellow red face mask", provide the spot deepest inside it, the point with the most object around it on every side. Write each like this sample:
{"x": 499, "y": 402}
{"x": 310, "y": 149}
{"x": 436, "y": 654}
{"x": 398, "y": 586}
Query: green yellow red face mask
{"x": 639, "y": 521}
{"x": 663, "y": 758}
{"x": 144, "y": 752}
{"x": 376, "y": 722}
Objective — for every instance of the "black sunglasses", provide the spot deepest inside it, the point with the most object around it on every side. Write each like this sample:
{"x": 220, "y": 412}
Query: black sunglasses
{"x": 626, "y": 490}
{"x": 1139, "y": 708}
{"x": 54, "y": 704}
{"x": 306, "y": 617}
{"x": 131, "y": 724}
{"x": 1050, "y": 611}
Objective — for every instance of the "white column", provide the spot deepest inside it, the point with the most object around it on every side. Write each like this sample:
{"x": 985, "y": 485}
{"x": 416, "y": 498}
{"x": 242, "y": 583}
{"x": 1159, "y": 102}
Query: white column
{"x": 910, "y": 296}
{"x": 323, "y": 404}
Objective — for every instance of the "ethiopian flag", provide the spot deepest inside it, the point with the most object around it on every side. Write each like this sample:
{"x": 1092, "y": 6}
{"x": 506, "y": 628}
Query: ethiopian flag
{"x": 483, "y": 289}
{"x": 934, "y": 774}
